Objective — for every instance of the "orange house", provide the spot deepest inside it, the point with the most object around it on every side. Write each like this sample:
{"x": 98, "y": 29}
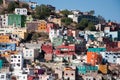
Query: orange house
{"x": 93, "y": 58}
{"x": 103, "y": 69}
{"x": 42, "y": 26}
{"x": 4, "y": 39}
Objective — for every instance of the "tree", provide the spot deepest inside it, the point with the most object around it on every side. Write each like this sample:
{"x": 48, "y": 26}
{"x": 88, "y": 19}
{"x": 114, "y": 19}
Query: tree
{"x": 66, "y": 21}
{"x": 83, "y": 24}
{"x": 25, "y": 5}
{"x": 66, "y": 12}
{"x": 42, "y": 12}
{"x": 11, "y": 6}
{"x": 92, "y": 12}
{"x": 1, "y": 1}
{"x": 91, "y": 26}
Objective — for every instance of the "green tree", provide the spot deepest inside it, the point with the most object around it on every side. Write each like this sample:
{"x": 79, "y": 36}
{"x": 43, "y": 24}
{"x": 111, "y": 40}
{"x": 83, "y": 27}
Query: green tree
{"x": 66, "y": 12}
{"x": 92, "y": 12}
{"x": 91, "y": 26}
{"x": 66, "y": 21}
{"x": 11, "y": 6}
{"x": 42, "y": 12}
{"x": 1, "y": 1}
{"x": 83, "y": 24}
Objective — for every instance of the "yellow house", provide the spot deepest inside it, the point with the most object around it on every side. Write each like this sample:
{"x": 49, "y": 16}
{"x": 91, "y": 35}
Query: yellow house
{"x": 21, "y": 32}
{"x": 103, "y": 69}
{"x": 42, "y": 26}
{"x": 4, "y": 39}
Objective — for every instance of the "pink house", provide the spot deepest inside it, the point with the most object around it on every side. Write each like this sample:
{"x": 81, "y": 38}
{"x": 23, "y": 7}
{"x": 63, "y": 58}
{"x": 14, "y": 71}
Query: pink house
{"x": 50, "y": 25}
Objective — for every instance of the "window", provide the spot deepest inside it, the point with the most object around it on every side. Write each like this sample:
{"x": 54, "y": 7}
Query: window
{"x": 18, "y": 60}
{"x": 72, "y": 74}
{"x": 66, "y": 74}
{"x": 15, "y": 56}
{"x": 18, "y": 64}
{"x": 11, "y": 60}
{"x": 2, "y": 76}
{"x": 30, "y": 54}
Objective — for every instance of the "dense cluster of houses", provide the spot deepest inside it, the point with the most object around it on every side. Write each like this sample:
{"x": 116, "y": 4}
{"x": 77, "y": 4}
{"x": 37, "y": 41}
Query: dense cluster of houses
{"x": 69, "y": 54}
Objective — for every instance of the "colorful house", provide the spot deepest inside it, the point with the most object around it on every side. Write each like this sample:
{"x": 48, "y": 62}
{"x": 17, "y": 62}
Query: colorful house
{"x": 50, "y": 26}
{"x": 21, "y": 32}
{"x": 57, "y": 41}
{"x": 94, "y": 58}
{"x": 103, "y": 69}
{"x": 42, "y": 26}
{"x": 32, "y": 26}
{"x": 1, "y": 64}
{"x": 4, "y": 39}
{"x": 69, "y": 74}
{"x": 65, "y": 50}
{"x": 8, "y": 46}
{"x": 47, "y": 48}
{"x": 84, "y": 69}
{"x": 16, "y": 20}
{"x": 97, "y": 50}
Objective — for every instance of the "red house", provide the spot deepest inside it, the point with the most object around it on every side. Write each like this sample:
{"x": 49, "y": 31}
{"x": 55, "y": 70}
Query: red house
{"x": 47, "y": 48}
{"x": 65, "y": 50}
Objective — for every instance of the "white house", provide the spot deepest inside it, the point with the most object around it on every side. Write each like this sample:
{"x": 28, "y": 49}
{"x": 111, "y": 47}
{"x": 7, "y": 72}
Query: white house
{"x": 30, "y": 54}
{"x": 74, "y": 17}
{"x": 88, "y": 78}
{"x": 53, "y": 33}
{"x": 33, "y": 45}
{"x": 20, "y": 76}
{"x": 16, "y": 61}
{"x": 21, "y": 11}
{"x": 111, "y": 57}
{"x": 4, "y": 20}
{"x": 4, "y": 76}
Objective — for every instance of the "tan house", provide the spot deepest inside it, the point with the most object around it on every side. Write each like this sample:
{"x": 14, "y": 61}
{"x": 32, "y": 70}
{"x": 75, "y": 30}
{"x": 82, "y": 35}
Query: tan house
{"x": 21, "y": 32}
{"x": 56, "y": 21}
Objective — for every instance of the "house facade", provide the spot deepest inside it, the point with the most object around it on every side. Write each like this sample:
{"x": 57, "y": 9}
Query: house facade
{"x": 21, "y": 11}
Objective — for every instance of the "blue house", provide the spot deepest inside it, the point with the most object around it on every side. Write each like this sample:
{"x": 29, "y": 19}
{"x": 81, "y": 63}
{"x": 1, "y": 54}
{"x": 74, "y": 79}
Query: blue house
{"x": 1, "y": 63}
{"x": 97, "y": 50}
{"x": 84, "y": 69}
{"x": 8, "y": 46}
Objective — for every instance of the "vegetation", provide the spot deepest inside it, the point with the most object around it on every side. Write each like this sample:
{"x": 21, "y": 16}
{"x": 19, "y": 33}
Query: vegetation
{"x": 42, "y": 12}
{"x": 1, "y": 1}
{"x": 85, "y": 24}
{"x": 11, "y": 6}
{"x": 91, "y": 26}
{"x": 25, "y": 5}
{"x": 35, "y": 36}
{"x": 92, "y": 12}
{"x": 42, "y": 35}
{"x": 66, "y": 21}
{"x": 66, "y": 12}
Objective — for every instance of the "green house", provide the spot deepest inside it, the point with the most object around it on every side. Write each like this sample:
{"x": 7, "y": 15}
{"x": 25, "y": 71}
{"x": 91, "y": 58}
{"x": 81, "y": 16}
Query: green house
{"x": 16, "y": 20}
{"x": 69, "y": 39}
{"x": 57, "y": 41}
{"x": 83, "y": 69}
